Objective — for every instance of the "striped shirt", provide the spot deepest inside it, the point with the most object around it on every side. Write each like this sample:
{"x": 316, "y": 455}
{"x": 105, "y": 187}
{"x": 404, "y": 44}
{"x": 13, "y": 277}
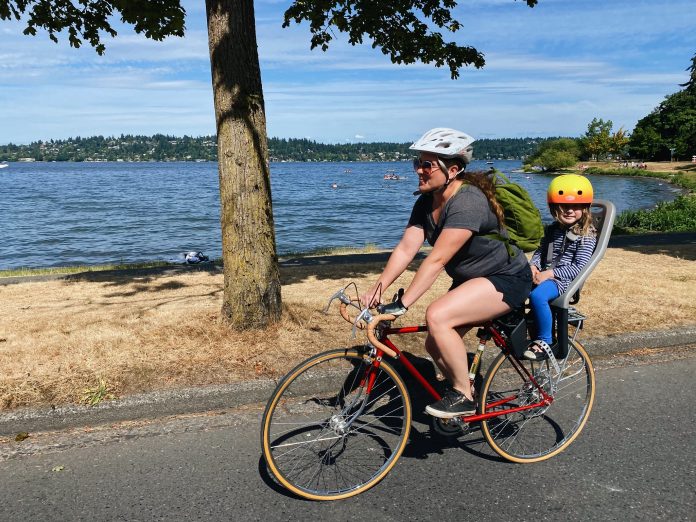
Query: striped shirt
{"x": 568, "y": 259}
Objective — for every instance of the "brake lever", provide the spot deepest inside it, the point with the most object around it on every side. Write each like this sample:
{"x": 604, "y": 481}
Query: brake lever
{"x": 364, "y": 315}
{"x": 341, "y": 296}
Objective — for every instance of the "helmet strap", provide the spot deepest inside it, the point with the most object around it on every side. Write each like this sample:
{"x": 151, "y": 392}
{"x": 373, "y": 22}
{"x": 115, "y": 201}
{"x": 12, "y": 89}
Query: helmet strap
{"x": 448, "y": 180}
{"x": 445, "y": 171}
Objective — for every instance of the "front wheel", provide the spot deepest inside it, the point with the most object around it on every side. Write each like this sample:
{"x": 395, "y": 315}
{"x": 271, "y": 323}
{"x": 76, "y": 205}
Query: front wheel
{"x": 539, "y": 433}
{"x": 324, "y": 437}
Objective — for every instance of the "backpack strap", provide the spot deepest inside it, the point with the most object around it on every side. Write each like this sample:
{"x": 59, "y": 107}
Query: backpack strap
{"x": 568, "y": 236}
{"x": 548, "y": 236}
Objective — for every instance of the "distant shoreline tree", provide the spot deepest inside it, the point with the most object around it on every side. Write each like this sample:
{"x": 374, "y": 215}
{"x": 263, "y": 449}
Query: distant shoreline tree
{"x": 599, "y": 143}
{"x": 555, "y": 155}
{"x": 162, "y": 147}
{"x": 597, "y": 140}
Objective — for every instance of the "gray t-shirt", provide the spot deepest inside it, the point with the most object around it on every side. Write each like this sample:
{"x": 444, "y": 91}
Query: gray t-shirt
{"x": 480, "y": 256}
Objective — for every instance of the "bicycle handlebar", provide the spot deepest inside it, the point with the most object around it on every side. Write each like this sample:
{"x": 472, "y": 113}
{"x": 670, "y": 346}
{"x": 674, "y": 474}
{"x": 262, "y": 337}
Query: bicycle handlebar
{"x": 356, "y": 322}
{"x": 363, "y": 319}
{"x": 376, "y": 319}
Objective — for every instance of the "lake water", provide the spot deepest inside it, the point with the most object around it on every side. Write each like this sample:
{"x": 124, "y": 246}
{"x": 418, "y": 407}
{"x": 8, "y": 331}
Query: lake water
{"x": 57, "y": 214}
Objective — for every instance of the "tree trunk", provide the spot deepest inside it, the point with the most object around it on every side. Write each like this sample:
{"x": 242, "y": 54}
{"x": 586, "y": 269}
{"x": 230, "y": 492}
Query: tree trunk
{"x": 252, "y": 284}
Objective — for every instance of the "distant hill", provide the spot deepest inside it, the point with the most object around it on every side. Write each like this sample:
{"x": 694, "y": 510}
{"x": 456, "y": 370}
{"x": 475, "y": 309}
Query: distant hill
{"x": 204, "y": 148}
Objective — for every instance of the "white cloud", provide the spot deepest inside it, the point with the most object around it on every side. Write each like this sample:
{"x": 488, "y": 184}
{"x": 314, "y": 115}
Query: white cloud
{"x": 549, "y": 71}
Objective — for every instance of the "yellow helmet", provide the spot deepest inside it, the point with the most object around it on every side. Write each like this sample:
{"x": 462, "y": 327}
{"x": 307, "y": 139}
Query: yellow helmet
{"x": 570, "y": 188}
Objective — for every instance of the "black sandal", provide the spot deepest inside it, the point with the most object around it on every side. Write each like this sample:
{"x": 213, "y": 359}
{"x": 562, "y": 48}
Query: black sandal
{"x": 537, "y": 351}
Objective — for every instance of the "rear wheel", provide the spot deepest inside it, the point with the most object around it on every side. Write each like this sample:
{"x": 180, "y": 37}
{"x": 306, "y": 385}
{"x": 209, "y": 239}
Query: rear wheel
{"x": 324, "y": 437}
{"x": 539, "y": 433}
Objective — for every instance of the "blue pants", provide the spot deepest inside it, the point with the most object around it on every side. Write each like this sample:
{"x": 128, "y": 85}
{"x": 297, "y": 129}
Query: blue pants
{"x": 539, "y": 299}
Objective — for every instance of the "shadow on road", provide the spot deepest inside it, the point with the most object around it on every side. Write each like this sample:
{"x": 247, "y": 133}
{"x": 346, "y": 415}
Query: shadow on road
{"x": 424, "y": 440}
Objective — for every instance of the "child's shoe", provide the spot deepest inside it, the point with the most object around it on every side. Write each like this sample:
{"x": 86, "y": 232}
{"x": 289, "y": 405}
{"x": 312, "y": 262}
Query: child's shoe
{"x": 537, "y": 351}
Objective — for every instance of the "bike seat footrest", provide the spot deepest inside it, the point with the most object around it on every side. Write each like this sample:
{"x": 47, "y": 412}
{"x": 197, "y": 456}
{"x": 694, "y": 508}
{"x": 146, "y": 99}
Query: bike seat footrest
{"x": 575, "y": 317}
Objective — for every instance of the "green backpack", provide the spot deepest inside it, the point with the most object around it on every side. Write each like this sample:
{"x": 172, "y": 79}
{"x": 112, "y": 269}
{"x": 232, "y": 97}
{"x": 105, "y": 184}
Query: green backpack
{"x": 522, "y": 218}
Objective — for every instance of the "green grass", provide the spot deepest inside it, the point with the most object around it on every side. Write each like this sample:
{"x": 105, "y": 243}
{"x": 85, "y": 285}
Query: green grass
{"x": 672, "y": 216}
{"x": 101, "y": 392}
{"x": 66, "y": 270}
{"x": 369, "y": 248}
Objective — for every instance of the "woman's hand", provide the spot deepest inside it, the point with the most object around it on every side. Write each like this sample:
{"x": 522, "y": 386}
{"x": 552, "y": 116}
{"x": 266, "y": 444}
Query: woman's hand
{"x": 540, "y": 277}
{"x": 396, "y": 308}
{"x": 370, "y": 299}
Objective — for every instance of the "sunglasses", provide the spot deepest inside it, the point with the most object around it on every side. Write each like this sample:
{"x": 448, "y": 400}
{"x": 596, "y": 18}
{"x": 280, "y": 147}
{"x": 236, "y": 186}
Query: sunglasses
{"x": 423, "y": 164}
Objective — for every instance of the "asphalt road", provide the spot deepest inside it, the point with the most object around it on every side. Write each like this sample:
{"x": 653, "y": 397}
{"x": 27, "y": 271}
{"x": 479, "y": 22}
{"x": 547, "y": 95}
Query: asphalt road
{"x": 635, "y": 460}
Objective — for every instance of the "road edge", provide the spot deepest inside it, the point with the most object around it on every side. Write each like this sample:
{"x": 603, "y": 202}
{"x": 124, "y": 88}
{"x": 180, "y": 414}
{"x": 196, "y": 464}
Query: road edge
{"x": 221, "y": 397}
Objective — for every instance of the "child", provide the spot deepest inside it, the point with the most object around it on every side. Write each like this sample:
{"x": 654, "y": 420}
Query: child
{"x": 573, "y": 239}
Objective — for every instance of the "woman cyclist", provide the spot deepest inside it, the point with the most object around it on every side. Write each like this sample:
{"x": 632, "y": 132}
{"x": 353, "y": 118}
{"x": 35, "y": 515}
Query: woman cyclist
{"x": 453, "y": 213}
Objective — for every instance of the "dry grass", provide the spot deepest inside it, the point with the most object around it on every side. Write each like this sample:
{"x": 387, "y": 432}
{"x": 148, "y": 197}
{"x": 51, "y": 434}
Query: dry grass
{"x": 59, "y": 338}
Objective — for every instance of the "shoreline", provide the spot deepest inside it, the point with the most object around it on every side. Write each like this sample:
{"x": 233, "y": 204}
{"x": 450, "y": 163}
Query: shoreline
{"x": 628, "y": 240}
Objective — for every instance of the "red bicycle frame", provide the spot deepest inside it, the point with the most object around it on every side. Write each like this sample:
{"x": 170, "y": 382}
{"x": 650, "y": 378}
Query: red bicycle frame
{"x": 500, "y": 342}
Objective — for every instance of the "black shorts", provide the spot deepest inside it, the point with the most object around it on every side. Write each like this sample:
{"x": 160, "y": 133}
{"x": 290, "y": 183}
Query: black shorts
{"x": 514, "y": 287}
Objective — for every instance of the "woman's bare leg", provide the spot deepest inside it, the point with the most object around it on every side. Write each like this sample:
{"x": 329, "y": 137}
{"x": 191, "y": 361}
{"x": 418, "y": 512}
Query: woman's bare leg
{"x": 432, "y": 349}
{"x": 471, "y": 303}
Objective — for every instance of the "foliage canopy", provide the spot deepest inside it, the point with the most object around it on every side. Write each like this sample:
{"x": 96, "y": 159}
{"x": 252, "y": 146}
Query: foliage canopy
{"x": 555, "y": 154}
{"x": 157, "y": 19}
{"x": 669, "y": 131}
{"x": 400, "y": 28}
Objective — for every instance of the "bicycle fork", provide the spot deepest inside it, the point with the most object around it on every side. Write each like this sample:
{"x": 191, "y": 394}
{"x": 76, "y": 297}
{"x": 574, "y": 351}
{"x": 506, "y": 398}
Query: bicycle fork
{"x": 367, "y": 382}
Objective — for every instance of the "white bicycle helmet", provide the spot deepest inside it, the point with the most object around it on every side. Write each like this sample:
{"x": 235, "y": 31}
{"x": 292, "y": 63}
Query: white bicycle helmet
{"x": 447, "y": 143}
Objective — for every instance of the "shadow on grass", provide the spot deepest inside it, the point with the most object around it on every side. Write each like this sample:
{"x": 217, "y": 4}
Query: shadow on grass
{"x": 680, "y": 245}
{"x": 139, "y": 275}
{"x": 150, "y": 288}
{"x": 144, "y": 281}
{"x": 343, "y": 267}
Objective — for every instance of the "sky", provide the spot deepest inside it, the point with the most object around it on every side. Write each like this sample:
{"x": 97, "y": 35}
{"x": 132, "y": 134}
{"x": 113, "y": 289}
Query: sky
{"x": 549, "y": 71}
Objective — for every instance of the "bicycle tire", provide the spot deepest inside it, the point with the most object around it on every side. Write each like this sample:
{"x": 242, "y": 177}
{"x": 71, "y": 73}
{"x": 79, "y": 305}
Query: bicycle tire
{"x": 308, "y": 444}
{"x": 540, "y": 433}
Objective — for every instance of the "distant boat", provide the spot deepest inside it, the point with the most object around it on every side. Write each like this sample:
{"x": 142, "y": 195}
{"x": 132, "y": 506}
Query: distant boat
{"x": 392, "y": 175}
{"x": 3, "y": 165}
{"x": 489, "y": 163}
{"x": 347, "y": 171}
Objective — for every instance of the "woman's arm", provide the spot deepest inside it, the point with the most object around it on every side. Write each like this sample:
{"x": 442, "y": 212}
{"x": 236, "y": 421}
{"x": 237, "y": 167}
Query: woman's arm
{"x": 400, "y": 258}
{"x": 447, "y": 245}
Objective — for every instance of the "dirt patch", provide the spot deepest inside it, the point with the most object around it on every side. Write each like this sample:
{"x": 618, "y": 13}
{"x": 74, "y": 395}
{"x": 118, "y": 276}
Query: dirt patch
{"x": 141, "y": 332}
